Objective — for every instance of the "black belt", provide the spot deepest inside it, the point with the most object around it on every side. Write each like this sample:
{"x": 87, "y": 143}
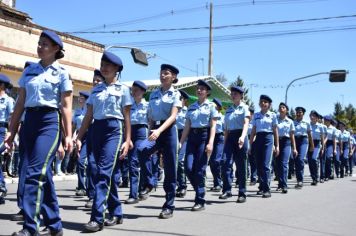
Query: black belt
{"x": 221, "y": 133}
{"x": 139, "y": 126}
{"x": 199, "y": 130}
{"x": 42, "y": 109}
{"x": 4, "y": 124}
{"x": 284, "y": 138}
{"x": 301, "y": 136}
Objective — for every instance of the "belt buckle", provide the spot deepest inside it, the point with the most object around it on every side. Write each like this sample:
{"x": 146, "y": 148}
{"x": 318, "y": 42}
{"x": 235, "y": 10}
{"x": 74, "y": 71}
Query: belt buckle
{"x": 157, "y": 122}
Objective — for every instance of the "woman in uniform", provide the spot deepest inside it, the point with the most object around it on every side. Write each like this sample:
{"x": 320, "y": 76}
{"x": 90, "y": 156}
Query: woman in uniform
{"x": 45, "y": 89}
{"x": 339, "y": 148}
{"x": 164, "y": 103}
{"x": 199, "y": 132}
{"x": 303, "y": 140}
{"x": 318, "y": 140}
{"x": 109, "y": 104}
{"x": 266, "y": 132}
{"x": 286, "y": 145}
{"x": 330, "y": 147}
{"x": 346, "y": 144}
{"x": 6, "y": 109}
{"x": 236, "y": 123}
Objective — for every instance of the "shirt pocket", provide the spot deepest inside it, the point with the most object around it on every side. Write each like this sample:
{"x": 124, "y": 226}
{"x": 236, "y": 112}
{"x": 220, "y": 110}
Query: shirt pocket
{"x": 49, "y": 88}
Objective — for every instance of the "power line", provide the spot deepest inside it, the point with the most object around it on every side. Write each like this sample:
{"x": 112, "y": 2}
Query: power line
{"x": 215, "y": 27}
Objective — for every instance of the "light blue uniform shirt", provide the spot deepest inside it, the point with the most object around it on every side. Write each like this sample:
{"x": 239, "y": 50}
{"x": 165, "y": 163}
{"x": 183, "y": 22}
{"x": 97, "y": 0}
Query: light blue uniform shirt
{"x": 180, "y": 120}
{"x": 161, "y": 103}
{"x": 324, "y": 129}
{"x": 78, "y": 117}
{"x": 139, "y": 113}
{"x": 264, "y": 122}
{"x": 330, "y": 132}
{"x": 6, "y": 107}
{"x": 345, "y": 136}
{"x": 235, "y": 116}
{"x": 108, "y": 101}
{"x": 316, "y": 131}
{"x": 353, "y": 141}
{"x": 301, "y": 128}
{"x": 337, "y": 135}
{"x": 220, "y": 123}
{"x": 200, "y": 115}
{"x": 44, "y": 85}
{"x": 285, "y": 126}
{"x": 250, "y": 125}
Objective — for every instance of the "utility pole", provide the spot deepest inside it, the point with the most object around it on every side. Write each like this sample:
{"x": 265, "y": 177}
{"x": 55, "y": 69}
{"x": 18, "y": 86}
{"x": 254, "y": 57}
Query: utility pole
{"x": 211, "y": 40}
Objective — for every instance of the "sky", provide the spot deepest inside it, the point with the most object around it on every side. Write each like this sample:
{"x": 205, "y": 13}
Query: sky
{"x": 266, "y": 56}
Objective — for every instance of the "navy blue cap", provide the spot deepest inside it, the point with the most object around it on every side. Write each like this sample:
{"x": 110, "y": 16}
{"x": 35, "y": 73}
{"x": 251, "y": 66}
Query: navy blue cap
{"x": 98, "y": 73}
{"x": 328, "y": 118}
{"x": 173, "y": 69}
{"x": 266, "y": 97}
{"x": 342, "y": 123}
{"x": 140, "y": 84}
{"x": 112, "y": 58}
{"x": 204, "y": 83}
{"x": 283, "y": 104}
{"x": 217, "y": 102}
{"x": 184, "y": 94}
{"x": 84, "y": 94}
{"x": 314, "y": 113}
{"x": 237, "y": 89}
{"x": 4, "y": 79}
{"x": 300, "y": 109}
{"x": 53, "y": 36}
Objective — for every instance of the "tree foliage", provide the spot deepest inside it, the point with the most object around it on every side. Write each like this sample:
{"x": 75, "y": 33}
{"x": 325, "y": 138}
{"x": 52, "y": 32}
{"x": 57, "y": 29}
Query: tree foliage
{"x": 346, "y": 114}
{"x": 241, "y": 83}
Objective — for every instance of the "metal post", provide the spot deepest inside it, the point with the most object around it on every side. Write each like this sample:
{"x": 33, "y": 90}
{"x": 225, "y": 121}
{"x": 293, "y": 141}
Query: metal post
{"x": 210, "y": 40}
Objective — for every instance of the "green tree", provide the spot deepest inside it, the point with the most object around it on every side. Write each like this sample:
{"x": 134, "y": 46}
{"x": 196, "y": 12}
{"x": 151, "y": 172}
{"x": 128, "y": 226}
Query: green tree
{"x": 338, "y": 111}
{"x": 221, "y": 78}
{"x": 241, "y": 83}
{"x": 292, "y": 112}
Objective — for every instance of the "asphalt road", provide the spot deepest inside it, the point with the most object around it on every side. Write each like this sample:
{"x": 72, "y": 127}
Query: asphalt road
{"x": 327, "y": 209}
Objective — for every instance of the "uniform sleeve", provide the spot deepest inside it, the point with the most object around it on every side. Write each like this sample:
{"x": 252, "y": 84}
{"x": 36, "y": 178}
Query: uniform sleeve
{"x": 308, "y": 127}
{"x": 90, "y": 98}
{"x": 66, "y": 82}
{"x": 246, "y": 111}
{"x": 213, "y": 112}
{"x": 10, "y": 105}
{"x": 126, "y": 97}
{"x": 292, "y": 127}
{"x": 253, "y": 122}
{"x": 23, "y": 78}
{"x": 274, "y": 120}
{"x": 176, "y": 100}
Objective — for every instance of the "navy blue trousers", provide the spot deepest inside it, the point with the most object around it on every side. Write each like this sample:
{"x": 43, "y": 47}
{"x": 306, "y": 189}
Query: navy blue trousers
{"x": 329, "y": 153}
{"x": 263, "y": 152}
{"x": 92, "y": 170}
{"x": 196, "y": 162}
{"x": 41, "y": 141}
{"x": 82, "y": 163}
{"x": 336, "y": 160}
{"x": 344, "y": 159}
{"x": 313, "y": 160}
{"x": 138, "y": 135}
{"x": 301, "y": 143}
{"x": 107, "y": 136}
{"x": 167, "y": 143}
{"x": 181, "y": 178}
{"x": 233, "y": 153}
{"x": 3, "y": 131}
{"x": 216, "y": 158}
{"x": 282, "y": 161}
{"x": 21, "y": 183}
{"x": 252, "y": 162}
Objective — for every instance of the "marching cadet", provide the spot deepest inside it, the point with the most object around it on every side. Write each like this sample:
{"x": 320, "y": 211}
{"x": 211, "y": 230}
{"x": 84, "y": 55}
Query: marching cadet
{"x": 181, "y": 178}
{"x": 330, "y": 147}
{"x": 303, "y": 140}
{"x": 45, "y": 88}
{"x": 218, "y": 149}
{"x": 164, "y": 103}
{"x": 266, "y": 132}
{"x": 318, "y": 141}
{"x": 6, "y": 109}
{"x": 345, "y": 152}
{"x": 336, "y": 158}
{"x": 251, "y": 156}
{"x": 322, "y": 155}
{"x": 236, "y": 123}
{"x": 109, "y": 104}
{"x": 199, "y": 131}
{"x": 352, "y": 152}
{"x": 286, "y": 146}
{"x": 139, "y": 132}
{"x": 78, "y": 116}
{"x": 91, "y": 170}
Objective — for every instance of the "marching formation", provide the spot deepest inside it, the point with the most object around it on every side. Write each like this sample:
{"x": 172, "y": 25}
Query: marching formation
{"x": 115, "y": 123}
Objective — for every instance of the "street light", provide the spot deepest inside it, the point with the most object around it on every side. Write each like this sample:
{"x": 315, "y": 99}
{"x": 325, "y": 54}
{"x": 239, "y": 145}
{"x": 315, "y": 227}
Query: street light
{"x": 137, "y": 54}
{"x": 334, "y": 76}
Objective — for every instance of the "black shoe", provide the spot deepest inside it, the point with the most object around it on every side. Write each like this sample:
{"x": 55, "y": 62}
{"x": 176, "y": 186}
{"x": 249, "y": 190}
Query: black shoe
{"x": 93, "y": 226}
{"x": 321, "y": 181}
{"x": 115, "y": 220}
{"x": 331, "y": 177}
{"x": 314, "y": 183}
{"x": 23, "y": 232}
{"x": 124, "y": 184}
{"x": 2, "y": 200}
{"x": 80, "y": 193}
{"x": 198, "y": 207}
{"x": 278, "y": 189}
{"x": 259, "y": 192}
{"x": 181, "y": 193}
{"x": 48, "y": 232}
{"x": 18, "y": 216}
{"x": 299, "y": 185}
{"x": 326, "y": 179}
{"x": 166, "y": 214}
{"x": 131, "y": 200}
{"x": 146, "y": 191}
{"x": 253, "y": 183}
{"x": 266, "y": 194}
{"x": 216, "y": 189}
{"x": 284, "y": 190}
{"x": 225, "y": 195}
{"x": 89, "y": 204}
{"x": 241, "y": 199}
